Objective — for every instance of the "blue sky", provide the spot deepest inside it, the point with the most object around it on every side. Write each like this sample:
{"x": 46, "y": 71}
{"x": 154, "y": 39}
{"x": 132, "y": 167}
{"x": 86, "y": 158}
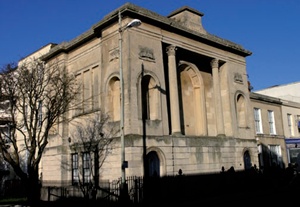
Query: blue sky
{"x": 270, "y": 29}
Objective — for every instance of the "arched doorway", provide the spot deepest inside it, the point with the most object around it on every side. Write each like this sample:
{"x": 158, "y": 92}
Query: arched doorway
{"x": 153, "y": 164}
{"x": 247, "y": 160}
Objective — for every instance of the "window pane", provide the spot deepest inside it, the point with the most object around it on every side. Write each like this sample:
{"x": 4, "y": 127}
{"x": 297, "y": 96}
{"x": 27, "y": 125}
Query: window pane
{"x": 75, "y": 173}
{"x": 257, "y": 120}
{"x": 271, "y": 122}
{"x": 86, "y": 167}
{"x": 290, "y": 121}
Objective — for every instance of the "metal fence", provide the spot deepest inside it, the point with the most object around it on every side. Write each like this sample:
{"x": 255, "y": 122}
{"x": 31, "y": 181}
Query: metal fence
{"x": 135, "y": 188}
{"x": 109, "y": 191}
{"x": 166, "y": 188}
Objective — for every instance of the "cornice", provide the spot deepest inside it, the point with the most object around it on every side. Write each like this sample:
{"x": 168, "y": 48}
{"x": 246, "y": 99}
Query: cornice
{"x": 150, "y": 17}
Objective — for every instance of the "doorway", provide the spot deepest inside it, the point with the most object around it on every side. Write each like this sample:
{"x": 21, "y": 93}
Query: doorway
{"x": 153, "y": 164}
{"x": 247, "y": 160}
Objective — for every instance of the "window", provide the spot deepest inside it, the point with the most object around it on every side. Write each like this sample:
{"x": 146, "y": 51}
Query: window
{"x": 257, "y": 119}
{"x": 5, "y": 131}
{"x": 75, "y": 173}
{"x": 40, "y": 114}
{"x": 86, "y": 159}
{"x": 271, "y": 122}
{"x": 290, "y": 125}
{"x": 4, "y": 106}
{"x": 25, "y": 161}
{"x": 8, "y": 133}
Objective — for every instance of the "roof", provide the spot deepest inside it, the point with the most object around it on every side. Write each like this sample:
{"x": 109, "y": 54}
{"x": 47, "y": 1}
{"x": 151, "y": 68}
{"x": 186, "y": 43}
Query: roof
{"x": 186, "y": 8}
{"x": 264, "y": 98}
{"x": 150, "y": 17}
{"x": 49, "y": 45}
{"x": 289, "y": 92}
{"x": 279, "y": 86}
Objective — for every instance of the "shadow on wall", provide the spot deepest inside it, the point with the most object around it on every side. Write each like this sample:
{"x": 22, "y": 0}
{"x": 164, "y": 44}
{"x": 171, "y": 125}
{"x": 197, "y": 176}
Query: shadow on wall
{"x": 269, "y": 157}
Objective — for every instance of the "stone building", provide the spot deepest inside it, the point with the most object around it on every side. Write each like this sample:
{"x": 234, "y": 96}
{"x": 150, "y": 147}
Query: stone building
{"x": 191, "y": 85}
{"x": 291, "y": 121}
{"x": 289, "y": 95}
{"x": 269, "y": 131}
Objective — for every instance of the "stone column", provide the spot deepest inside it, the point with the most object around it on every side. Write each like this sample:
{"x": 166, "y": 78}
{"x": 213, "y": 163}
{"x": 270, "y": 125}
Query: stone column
{"x": 173, "y": 86}
{"x": 217, "y": 97}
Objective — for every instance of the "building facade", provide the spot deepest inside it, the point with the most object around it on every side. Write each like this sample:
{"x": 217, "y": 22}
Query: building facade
{"x": 290, "y": 98}
{"x": 187, "y": 104}
{"x": 269, "y": 131}
{"x": 291, "y": 120}
{"x": 191, "y": 85}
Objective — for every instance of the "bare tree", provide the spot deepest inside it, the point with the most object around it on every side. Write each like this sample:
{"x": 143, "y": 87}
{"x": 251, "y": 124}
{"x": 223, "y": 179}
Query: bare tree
{"x": 93, "y": 141}
{"x": 37, "y": 95}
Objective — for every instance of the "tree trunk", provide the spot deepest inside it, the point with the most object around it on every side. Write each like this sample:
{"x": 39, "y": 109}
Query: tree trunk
{"x": 33, "y": 186}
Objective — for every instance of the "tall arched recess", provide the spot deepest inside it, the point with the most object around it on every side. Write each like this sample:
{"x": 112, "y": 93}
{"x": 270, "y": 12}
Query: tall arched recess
{"x": 241, "y": 110}
{"x": 113, "y": 98}
{"x": 150, "y": 98}
{"x": 192, "y": 100}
